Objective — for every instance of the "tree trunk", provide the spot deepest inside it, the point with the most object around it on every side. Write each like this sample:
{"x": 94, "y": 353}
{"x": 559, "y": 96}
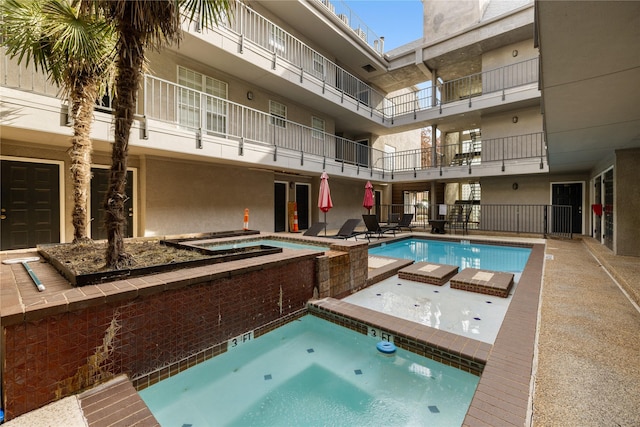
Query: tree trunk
{"x": 83, "y": 99}
{"x": 130, "y": 60}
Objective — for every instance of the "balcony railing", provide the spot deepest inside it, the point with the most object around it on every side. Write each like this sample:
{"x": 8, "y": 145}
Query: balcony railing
{"x": 257, "y": 29}
{"x": 205, "y": 114}
{"x": 465, "y": 88}
{"x": 528, "y": 146}
{"x": 546, "y": 220}
{"x": 272, "y": 38}
{"x": 209, "y": 115}
{"x": 353, "y": 22}
{"x": 25, "y": 77}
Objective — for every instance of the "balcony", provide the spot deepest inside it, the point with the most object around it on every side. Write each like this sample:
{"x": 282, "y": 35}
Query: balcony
{"x": 354, "y": 23}
{"x": 189, "y": 115}
{"x": 501, "y": 150}
{"x": 319, "y": 75}
{"x": 466, "y": 89}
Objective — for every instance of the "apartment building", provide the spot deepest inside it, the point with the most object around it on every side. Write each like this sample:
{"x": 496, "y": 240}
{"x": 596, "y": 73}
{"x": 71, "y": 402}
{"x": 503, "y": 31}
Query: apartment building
{"x": 250, "y": 113}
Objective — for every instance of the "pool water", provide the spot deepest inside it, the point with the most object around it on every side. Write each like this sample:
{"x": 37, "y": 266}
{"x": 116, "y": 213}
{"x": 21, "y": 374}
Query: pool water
{"x": 487, "y": 257}
{"x": 267, "y": 242}
{"x": 464, "y": 313}
{"x": 311, "y": 372}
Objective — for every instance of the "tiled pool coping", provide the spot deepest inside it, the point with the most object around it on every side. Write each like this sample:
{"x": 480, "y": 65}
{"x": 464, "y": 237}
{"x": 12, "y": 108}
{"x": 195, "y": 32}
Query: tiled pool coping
{"x": 460, "y": 352}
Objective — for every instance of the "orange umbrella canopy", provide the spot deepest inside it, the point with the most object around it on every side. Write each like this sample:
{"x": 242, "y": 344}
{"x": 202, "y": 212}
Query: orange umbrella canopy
{"x": 367, "y": 202}
{"x": 324, "y": 198}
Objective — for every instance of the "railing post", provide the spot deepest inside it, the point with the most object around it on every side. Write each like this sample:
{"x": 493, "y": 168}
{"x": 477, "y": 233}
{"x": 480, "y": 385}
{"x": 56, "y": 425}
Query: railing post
{"x": 545, "y": 230}
{"x": 542, "y": 150}
{"x": 502, "y": 70}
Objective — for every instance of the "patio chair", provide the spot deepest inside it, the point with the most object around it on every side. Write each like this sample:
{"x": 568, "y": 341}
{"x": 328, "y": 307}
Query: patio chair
{"x": 374, "y": 227}
{"x": 315, "y": 229}
{"x": 348, "y": 230}
{"x": 405, "y": 222}
{"x": 459, "y": 218}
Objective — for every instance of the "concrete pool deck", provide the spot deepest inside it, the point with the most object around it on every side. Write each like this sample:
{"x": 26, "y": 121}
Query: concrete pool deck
{"x": 586, "y": 365}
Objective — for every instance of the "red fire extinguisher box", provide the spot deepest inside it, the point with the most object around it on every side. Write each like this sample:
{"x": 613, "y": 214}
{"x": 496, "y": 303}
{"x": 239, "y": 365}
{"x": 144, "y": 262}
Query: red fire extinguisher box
{"x": 597, "y": 209}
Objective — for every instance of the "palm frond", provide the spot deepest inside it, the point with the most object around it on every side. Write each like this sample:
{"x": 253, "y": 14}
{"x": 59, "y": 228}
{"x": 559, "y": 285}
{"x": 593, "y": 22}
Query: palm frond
{"x": 209, "y": 12}
{"x": 21, "y": 32}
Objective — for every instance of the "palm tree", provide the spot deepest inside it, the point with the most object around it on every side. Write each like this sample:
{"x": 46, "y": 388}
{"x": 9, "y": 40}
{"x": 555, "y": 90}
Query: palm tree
{"x": 140, "y": 25}
{"x": 74, "y": 47}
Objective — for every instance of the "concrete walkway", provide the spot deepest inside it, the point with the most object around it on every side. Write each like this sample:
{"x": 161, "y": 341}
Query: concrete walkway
{"x": 588, "y": 370}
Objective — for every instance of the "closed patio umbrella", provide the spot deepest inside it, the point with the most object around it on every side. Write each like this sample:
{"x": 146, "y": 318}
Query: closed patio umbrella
{"x": 367, "y": 202}
{"x": 324, "y": 197}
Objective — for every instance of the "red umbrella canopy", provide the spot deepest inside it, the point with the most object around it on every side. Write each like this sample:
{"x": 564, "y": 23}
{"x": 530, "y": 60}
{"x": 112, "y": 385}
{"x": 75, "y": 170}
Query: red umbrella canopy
{"x": 324, "y": 198}
{"x": 367, "y": 202}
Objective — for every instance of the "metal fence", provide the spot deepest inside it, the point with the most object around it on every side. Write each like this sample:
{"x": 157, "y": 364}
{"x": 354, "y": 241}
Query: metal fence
{"x": 546, "y": 220}
{"x": 209, "y": 115}
{"x": 257, "y": 29}
{"x": 515, "y": 147}
{"x": 468, "y": 87}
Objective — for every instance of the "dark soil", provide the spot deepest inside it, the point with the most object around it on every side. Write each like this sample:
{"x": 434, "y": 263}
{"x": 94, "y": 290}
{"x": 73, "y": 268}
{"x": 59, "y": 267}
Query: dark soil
{"x": 89, "y": 257}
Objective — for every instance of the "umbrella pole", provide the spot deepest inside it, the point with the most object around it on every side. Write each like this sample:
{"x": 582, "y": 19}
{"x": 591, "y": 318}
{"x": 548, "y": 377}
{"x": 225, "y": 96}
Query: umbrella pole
{"x": 325, "y": 224}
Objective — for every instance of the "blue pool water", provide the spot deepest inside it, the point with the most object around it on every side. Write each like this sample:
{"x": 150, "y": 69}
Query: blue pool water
{"x": 311, "y": 372}
{"x": 268, "y": 242}
{"x": 487, "y": 257}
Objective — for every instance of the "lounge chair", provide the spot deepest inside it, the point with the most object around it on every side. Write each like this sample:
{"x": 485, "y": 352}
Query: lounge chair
{"x": 315, "y": 229}
{"x": 374, "y": 227}
{"x": 348, "y": 230}
{"x": 405, "y": 222}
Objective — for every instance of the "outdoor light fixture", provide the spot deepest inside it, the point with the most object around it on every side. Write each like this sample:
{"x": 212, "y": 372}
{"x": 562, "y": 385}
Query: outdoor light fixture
{"x": 249, "y": 95}
{"x": 515, "y": 186}
{"x": 514, "y": 53}
{"x": 514, "y": 119}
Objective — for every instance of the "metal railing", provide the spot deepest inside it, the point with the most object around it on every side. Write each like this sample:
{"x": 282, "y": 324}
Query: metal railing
{"x": 354, "y": 23}
{"x": 209, "y": 115}
{"x": 546, "y": 220}
{"x": 499, "y": 79}
{"x": 194, "y": 110}
{"x": 527, "y": 146}
{"x": 257, "y": 29}
{"x": 25, "y": 77}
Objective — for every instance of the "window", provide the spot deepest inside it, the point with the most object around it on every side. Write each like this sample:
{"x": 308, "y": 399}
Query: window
{"x": 202, "y": 91}
{"x": 278, "y": 113}
{"x": 318, "y": 127}
{"x": 277, "y": 39}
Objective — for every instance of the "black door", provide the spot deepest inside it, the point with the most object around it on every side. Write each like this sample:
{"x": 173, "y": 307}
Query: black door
{"x": 30, "y": 205}
{"x": 99, "y": 187}
{"x": 280, "y": 207}
{"x": 302, "y": 200}
{"x": 568, "y": 195}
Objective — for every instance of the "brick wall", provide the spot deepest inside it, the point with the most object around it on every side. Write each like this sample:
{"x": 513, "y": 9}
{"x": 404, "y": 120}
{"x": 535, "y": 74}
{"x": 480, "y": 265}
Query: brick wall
{"x": 342, "y": 270}
{"x": 61, "y": 354}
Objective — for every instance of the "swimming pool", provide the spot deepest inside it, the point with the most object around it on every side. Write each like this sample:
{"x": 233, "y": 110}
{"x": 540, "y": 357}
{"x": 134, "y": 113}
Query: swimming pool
{"x": 464, "y": 313}
{"x": 312, "y": 372}
{"x": 285, "y": 244}
{"x": 465, "y": 255}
